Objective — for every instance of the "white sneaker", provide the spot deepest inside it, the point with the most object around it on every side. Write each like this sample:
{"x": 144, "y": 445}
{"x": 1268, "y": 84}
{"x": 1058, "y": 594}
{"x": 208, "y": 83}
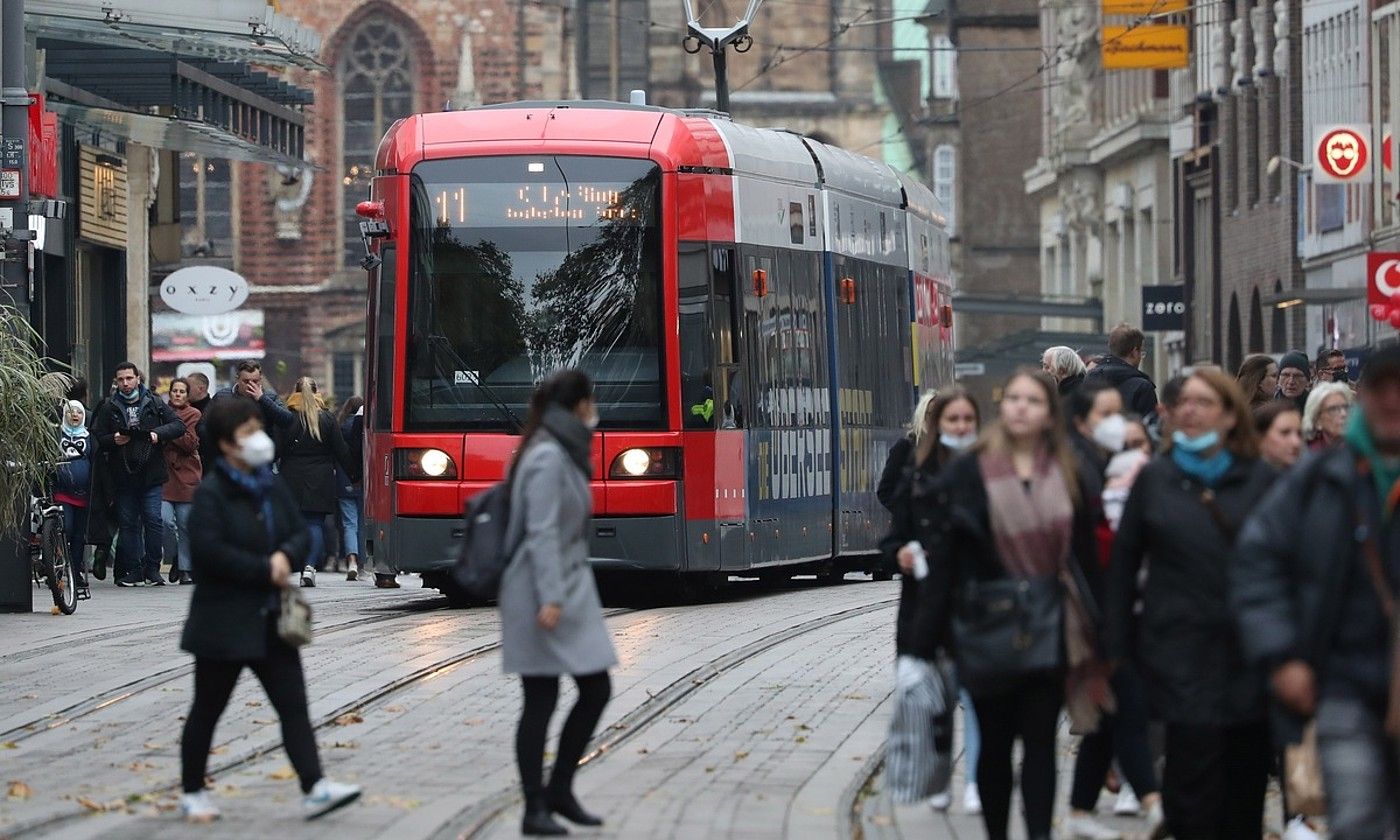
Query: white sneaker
{"x": 1087, "y": 828}
{"x": 327, "y": 796}
{"x": 308, "y": 577}
{"x": 972, "y": 800}
{"x": 196, "y": 807}
{"x": 1157, "y": 823}
{"x": 1127, "y": 804}
{"x": 1298, "y": 829}
{"x": 941, "y": 801}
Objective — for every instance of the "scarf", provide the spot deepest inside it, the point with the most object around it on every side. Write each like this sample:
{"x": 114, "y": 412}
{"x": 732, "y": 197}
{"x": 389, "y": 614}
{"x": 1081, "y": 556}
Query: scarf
{"x": 572, "y": 435}
{"x": 1032, "y": 528}
{"x": 1385, "y": 472}
{"x": 80, "y": 430}
{"x": 257, "y": 484}
{"x": 1208, "y": 471}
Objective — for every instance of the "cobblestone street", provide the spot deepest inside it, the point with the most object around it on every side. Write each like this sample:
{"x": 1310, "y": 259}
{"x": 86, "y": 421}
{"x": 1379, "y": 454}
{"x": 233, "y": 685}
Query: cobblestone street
{"x": 761, "y": 715}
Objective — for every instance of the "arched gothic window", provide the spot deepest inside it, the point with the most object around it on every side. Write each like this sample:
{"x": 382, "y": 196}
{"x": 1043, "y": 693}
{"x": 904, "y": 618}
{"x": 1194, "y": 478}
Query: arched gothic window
{"x": 1256, "y": 323}
{"x": 376, "y": 83}
{"x": 1279, "y": 332}
{"x": 1234, "y": 351}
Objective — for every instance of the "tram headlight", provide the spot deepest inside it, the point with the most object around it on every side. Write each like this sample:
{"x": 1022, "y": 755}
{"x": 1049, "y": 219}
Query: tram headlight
{"x": 424, "y": 463}
{"x": 646, "y": 463}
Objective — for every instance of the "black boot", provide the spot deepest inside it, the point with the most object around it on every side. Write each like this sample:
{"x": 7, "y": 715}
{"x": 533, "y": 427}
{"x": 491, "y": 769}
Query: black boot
{"x": 566, "y": 805}
{"x": 538, "y": 822}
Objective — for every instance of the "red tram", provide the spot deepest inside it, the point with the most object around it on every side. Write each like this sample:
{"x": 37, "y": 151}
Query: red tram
{"x": 758, "y": 310}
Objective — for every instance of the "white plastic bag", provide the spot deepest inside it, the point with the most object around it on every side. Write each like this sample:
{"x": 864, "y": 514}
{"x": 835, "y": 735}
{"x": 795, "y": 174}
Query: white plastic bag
{"x": 914, "y": 769}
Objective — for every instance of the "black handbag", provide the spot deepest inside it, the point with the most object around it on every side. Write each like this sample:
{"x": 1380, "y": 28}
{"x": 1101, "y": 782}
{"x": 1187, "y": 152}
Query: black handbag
{"x": 1007, "y": 628}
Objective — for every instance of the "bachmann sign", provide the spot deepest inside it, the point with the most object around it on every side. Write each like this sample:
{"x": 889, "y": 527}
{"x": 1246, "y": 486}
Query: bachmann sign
{"x": 1155, "y": 47}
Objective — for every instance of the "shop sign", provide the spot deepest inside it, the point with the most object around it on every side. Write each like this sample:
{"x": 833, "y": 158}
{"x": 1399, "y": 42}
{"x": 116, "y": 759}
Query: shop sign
{"x": 1342, "y": 154}
{"x": 1143, "y": 8}
{"x": 178, "y": 337}
{"x": 204, "y": 290}
{"x": 1153, "y": 47}
{"x": 1163, "y": 308}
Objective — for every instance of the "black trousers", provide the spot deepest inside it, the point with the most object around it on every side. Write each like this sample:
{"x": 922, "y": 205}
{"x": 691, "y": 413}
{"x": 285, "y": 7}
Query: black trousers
{"x": 1214, "y": 782}
{"x": 541, "y": 696}
{"x": 1029, "y": 711}
{"x": 282, "y": 678}
{"x": 1123, "y": 735}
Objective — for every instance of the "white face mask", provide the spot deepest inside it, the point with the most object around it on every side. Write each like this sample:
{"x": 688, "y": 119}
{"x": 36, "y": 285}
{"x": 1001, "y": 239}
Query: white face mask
{"x": 957, "y": 443}
{"x": 1111, "y": 432}
{"x": 257, "y": 449}
{"x": 592, "y": 422}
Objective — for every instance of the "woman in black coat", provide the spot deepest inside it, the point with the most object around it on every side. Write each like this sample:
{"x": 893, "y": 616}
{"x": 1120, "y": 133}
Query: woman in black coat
{"x": 1180, "y": 522}
{"x": 1014, "y": 510}
{"x": 250, "y": 537}
{"x": 311, "y": 452}
{"x": 947, "y": 424}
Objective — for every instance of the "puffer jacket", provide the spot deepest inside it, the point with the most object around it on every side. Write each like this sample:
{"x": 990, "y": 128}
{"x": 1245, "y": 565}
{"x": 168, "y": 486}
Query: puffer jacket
{"x": 1185, "y": 643}
{"x": 1299, "y": 583}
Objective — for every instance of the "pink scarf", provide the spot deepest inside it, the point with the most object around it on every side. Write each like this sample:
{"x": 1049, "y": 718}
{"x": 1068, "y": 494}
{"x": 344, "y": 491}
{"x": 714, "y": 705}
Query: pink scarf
{"x": 1032, "y": 528}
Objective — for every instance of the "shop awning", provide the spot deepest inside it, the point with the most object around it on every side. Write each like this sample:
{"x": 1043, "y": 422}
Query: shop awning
{"x": 214, "y": 108}
{"x": 225, "y": 30}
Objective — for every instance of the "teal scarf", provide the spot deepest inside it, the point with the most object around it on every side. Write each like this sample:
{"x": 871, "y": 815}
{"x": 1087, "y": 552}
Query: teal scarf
{"x": 1385, "y": 472}
{"x": 1208, "y": 471}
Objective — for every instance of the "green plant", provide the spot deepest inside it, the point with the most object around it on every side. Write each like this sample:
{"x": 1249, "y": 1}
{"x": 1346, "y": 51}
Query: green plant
{"x": 29, "y": 397}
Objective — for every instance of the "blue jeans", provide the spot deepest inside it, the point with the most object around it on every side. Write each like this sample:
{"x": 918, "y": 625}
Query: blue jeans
{"x": 972, "y": 737}
{"x": 350, "y": 510}
{"x": 140, "y": 549}
{"x": 1360, "y": 767}
{"x": 176, "y": 516}
{"x": 316, "y": 525}
{"x": 75, "y": 528}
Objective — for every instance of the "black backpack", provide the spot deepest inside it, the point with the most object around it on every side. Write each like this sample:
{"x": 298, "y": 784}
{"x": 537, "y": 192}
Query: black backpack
{"x": 485, "y": 553}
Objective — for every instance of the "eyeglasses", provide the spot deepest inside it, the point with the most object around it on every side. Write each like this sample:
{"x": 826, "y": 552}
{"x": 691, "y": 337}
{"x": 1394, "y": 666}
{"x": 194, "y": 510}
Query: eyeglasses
{"x": 1292, "y": 377}
{"x": 1336, "y": 410}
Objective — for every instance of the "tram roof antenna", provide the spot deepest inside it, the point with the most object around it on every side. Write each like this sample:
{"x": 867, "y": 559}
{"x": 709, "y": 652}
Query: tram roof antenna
{"x": 718, "y": 39}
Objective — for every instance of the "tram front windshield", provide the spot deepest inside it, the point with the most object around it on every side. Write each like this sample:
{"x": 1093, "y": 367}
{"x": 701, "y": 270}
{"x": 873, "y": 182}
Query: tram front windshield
{"x": 523, "y": 265}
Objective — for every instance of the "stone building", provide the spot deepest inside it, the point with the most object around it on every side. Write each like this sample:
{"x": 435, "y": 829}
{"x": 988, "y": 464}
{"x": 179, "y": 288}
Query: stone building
{"x": 1103, "y": 185}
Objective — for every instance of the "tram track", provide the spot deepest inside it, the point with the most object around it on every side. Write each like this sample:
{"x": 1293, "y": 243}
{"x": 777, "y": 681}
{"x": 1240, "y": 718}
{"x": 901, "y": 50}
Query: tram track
{"x": 358, "y": 704}
{"x": 19, "y": 733}
{"x": 474, "y": 821}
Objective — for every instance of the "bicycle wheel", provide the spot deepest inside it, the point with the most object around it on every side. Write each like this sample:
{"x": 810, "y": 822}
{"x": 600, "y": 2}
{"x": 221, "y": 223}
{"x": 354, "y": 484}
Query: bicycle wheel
{"x": 53, "y": 544}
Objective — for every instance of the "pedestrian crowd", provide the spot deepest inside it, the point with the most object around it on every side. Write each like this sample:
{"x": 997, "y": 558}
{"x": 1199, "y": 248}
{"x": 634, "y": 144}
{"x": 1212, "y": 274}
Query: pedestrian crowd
{"x": 1201, "y": 583}
{"x": 129, "y": 469}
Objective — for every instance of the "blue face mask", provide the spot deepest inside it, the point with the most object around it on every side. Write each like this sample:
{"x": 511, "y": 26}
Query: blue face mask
{"x": 1195, "y": 445}
{"x": 957, "y": 443}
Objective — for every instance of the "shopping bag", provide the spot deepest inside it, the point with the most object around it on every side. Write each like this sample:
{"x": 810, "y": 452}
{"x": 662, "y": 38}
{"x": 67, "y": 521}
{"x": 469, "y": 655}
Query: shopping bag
{"x": 914, "y": 769}
{"x": 1302, "y": 775}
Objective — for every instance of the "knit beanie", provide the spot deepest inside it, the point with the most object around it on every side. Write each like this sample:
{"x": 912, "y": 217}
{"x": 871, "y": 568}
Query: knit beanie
{"x": 1295, "y": 359}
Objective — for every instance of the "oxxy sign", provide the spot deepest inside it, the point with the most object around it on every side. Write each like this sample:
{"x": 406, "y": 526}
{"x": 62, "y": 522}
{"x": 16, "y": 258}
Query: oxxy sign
{"x": 1342, "y": 154}
{"x": 204, "y": 290}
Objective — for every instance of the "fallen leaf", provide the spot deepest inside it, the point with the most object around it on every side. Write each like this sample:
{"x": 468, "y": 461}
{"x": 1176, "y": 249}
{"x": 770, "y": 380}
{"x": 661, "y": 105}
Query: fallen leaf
{"x": 803, "y": 727}
{"x": 218, "y": 751}
{"x": 709, "y": 769}
{"x": 30, "y": 697}
{"x": 856, "y": 696}
{"x": 19, "y": 790}
{"x": 10, "y": 745}
{"x": 349, "y": 718}
{"x": 91, "y": 805}
{"x": 345, "y": 745}
{"x": 643, "y": 751}
{"x": 282, "y": 775}
{"x": 474, "y": 721}
{"x": 741, "y": 755}
{"x": 152, "y": 745}
{"x": 263, "y": 721}
{"x": 393, "y": 710}
{"x": 801, "y": 739}
{"x": 54, "y": 610}
{"x": 253, "y": 704}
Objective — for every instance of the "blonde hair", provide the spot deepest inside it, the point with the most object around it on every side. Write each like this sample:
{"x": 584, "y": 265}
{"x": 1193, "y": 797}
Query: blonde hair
{"x": 918, "y": 424}
{"x": 1313, "y": 407}
{"x": 307, "y": 402}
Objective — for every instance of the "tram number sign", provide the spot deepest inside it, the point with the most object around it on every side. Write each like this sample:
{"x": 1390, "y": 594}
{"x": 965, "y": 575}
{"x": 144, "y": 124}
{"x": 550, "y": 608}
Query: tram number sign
{"x": 1163, "y": 308}
{"x": 9, "y": 183}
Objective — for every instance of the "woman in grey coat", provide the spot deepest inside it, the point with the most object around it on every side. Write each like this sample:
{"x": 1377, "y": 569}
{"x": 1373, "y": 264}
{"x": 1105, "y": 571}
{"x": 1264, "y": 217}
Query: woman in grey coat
{"x": 551, "y": 617}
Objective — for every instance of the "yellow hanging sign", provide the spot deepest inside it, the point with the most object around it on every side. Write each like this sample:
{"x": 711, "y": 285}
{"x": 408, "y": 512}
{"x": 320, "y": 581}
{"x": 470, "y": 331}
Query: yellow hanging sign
{"x": 1145, "y": 48}
{"x": 1144, "y": 7}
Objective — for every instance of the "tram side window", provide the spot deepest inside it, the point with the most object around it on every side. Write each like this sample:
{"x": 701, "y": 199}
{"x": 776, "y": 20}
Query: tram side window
{"x": 384, "y": 340}
{"x": 727, "y": 313}
{"x": 697, "y": 390}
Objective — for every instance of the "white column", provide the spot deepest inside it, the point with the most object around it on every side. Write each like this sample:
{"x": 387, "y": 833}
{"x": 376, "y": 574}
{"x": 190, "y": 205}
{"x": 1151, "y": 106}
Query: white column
{"x": 140, "y": 193}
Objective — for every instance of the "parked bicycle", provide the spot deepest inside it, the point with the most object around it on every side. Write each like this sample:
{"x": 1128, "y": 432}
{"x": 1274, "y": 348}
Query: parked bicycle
{"x": 49, "y": 555}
